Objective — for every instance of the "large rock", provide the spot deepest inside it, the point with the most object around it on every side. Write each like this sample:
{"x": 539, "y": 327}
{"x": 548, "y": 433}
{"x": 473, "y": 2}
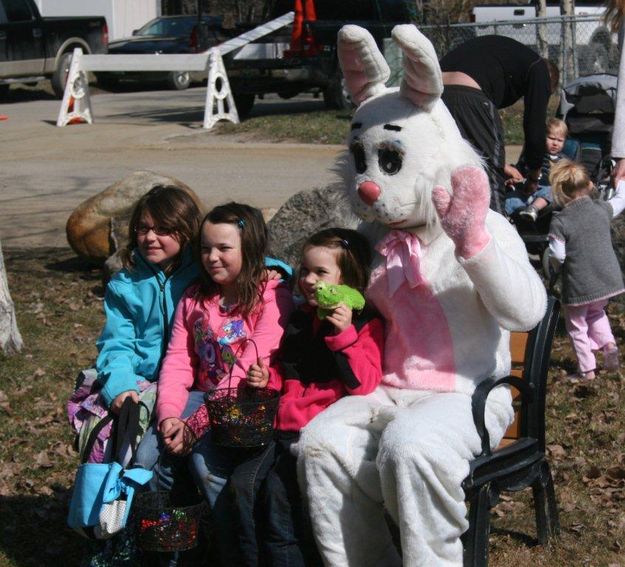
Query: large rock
{"x": 98, "y": 226}
{"x": 304, "y": 214}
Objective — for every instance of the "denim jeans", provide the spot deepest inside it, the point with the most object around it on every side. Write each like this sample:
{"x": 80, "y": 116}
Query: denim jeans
{"x": 517, "y": 199}
{"x": 211, "y": 466}
{"x": 266, "y": 522}
{"x": 151, "y": 454}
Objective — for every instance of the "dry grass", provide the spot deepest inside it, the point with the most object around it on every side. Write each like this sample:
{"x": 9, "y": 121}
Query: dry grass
{"x": 58, "y": 301}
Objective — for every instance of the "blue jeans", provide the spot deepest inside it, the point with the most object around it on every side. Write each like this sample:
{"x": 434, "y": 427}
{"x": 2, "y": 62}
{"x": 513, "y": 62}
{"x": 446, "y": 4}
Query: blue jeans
{"x": 266, "y": 520}
{"x": 517, "y": 199}
{"x": 151, "y": 454}
{"x": 211, "y": 466}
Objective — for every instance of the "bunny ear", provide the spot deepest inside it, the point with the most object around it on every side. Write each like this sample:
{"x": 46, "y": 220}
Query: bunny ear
{"x": 364, "y": 68}
{"x": 423, "y": 79}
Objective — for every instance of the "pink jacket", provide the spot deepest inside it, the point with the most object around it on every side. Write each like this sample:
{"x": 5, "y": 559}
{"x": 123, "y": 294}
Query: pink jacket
{"x": 317, "y": 368}
{"x": 206, "y": 341}
{"x": 310, "y": 379}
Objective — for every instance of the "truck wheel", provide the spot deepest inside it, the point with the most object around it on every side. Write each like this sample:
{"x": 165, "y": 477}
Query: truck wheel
{"x": 59, "y": 78}
{"x": 244, "y": 103}
{"x": 179, "y": 80}
{"x": 335, "y": 94}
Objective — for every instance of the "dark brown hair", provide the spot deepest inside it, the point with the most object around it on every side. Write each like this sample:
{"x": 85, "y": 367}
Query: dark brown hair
{"x": 254, "y": 238}
{"x": 354, "y": 254}
{"x": 171, "y": 208}
{"x": 613, "y": 15}
{"x": 554, "y": 75}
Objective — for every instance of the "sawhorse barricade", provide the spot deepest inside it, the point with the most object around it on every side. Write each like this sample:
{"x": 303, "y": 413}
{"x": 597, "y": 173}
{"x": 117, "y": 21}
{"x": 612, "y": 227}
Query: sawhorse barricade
{"x": 76, "y": 105}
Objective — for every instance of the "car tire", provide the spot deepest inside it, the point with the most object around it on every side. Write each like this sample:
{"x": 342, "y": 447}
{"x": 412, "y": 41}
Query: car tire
{"x": 107, "y": 81}
{"x": 244, "y": 103}
{"x": 335, "y": 95}
{"x": 179, "y": 80}
{"x": 59, "y": 78}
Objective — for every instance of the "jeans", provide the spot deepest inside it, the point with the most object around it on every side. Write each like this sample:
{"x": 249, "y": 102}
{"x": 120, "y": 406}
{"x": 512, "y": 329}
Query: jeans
{"x": 151, "y": 454}
{"x": 267, "y": 525}
{"x": 517, "y": 199}
{"x": 211, "y": 466}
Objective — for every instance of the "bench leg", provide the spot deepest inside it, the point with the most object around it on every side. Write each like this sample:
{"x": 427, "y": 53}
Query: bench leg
{"x": 475, "y": 539}
{"x": 545, "y": 505}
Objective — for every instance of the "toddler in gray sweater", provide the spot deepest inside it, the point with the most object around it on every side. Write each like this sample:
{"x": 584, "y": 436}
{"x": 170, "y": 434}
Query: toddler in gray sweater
{"x": 580, "y": 240}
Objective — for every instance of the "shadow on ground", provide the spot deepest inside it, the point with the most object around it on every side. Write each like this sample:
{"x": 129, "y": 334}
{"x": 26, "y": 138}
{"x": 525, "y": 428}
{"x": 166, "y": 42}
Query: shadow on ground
{"x": 35, "y": 531}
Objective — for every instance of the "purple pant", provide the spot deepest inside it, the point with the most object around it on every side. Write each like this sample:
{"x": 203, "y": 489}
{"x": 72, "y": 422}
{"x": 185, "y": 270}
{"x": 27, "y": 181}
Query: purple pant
{"x": 589, "y": 329}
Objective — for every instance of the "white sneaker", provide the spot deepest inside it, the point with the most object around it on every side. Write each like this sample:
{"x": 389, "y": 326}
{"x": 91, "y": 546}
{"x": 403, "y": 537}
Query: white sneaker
{"x": 529, "y": 213}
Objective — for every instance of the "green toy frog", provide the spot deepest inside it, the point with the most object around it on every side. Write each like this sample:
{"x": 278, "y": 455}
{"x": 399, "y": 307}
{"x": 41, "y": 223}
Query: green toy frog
{"x": 328, "y": 296}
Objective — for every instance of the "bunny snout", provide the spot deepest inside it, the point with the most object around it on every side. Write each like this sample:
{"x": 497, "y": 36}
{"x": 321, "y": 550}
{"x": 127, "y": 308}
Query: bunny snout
{"x": 369, "y": 192}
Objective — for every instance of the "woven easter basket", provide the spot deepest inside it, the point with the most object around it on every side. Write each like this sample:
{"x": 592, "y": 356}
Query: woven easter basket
{"x": 163, "y": 527}
{"x": 241, "y": 417}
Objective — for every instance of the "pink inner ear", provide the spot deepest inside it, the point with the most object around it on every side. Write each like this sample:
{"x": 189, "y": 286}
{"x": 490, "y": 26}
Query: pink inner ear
{"x": 353, "y": 71}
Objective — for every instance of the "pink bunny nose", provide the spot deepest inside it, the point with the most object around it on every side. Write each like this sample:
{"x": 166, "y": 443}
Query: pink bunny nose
{"x": 369, "y": 192}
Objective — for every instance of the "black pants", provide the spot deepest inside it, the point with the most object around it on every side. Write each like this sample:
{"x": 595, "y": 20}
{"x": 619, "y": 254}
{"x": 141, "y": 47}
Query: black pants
{"x": 479, "y": 123}
{"x": 266, "y": 521}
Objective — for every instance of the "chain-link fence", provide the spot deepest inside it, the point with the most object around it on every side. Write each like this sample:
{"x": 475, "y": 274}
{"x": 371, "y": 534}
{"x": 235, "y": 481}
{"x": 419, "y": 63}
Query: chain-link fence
{"x": 580, "y": 45}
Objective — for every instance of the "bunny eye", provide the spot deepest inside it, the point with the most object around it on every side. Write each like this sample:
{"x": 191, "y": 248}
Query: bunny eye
{"x": 358, "y": 153}
{"x": 390, "y": 160}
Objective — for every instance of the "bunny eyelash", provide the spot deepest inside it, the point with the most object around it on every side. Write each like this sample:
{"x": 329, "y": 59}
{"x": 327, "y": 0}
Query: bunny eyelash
{"x": 395, "y": 145}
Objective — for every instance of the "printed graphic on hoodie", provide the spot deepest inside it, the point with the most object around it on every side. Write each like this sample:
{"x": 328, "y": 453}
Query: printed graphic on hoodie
{"x": 216, "y": 351}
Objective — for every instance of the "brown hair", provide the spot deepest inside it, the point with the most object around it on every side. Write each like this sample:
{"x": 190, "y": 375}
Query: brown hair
{"x": 568, "y": 179}
{"x": 171, "y": 208}
{"x": 354, "y": 254}
{"x": 254, "y": 238}
{"x": 554, "y": 75}
{"x": 557, "y": 125}
{"x": 614, "y": 11}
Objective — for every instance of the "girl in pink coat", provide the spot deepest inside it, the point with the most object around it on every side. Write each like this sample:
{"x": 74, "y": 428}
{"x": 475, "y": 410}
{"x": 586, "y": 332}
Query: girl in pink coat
{"x": 234, "y": 302}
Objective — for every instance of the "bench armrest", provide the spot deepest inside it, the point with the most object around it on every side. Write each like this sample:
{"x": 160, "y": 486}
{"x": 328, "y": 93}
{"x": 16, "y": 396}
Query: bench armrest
{"x": 478, "y": 404}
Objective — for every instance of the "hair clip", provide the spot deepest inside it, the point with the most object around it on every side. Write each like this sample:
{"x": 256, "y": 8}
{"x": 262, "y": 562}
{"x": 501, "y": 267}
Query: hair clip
{"x": 241, "y": 223}
{"x": 344, "y": 243}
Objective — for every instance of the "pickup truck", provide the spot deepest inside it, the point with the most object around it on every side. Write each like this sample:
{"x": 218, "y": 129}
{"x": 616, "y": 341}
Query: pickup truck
{"x": 596, "y": 46}
{"x": 33, "y": 48}
{"x": 288, "y": 64}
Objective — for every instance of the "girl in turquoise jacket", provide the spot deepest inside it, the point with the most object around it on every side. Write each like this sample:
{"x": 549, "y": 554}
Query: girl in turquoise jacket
{"x": 141, "y": 299}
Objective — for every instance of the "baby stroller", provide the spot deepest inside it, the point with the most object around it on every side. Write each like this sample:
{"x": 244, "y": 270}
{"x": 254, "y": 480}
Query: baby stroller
{"x": 587, "y": 106}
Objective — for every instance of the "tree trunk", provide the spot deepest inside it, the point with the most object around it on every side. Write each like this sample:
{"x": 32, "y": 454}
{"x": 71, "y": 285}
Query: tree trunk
{"x": 10, "y": 338}
{"x": 567, "y": 64}
{"x": 541, "y": 31}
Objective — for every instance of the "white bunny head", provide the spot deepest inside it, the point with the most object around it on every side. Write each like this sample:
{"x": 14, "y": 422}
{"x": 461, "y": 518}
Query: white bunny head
{"x": 403, "y": 141}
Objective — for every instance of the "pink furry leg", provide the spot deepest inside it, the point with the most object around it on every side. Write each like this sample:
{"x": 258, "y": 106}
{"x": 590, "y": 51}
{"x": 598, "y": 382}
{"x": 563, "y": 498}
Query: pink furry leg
{"x": 463, "y": 212}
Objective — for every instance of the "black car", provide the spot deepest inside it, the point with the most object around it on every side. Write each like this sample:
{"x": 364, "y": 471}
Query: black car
{"x": 167, "y": 34}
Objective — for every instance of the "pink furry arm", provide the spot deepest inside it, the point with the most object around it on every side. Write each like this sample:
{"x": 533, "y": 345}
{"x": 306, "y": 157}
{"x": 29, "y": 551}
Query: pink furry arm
{"x": 463, "y": 213}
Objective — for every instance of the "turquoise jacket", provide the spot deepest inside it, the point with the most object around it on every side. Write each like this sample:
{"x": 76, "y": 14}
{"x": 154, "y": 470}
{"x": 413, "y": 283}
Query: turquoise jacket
{"x": 139, "y": 306}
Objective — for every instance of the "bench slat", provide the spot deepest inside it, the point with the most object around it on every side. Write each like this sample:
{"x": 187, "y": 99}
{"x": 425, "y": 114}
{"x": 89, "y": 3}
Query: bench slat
{"x": 518, "y": 342}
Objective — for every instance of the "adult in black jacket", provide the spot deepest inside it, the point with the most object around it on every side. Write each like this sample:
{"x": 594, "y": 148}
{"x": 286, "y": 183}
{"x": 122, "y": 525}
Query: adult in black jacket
{"x": 488, "y": 73}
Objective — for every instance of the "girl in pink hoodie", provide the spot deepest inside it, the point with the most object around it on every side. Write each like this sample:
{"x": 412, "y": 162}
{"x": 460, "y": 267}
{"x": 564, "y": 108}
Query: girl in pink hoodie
{"x": 234, "y": 301}
{"x": 320, "y": 362}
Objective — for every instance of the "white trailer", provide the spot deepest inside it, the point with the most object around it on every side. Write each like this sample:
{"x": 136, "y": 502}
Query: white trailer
{"x": 122, "y": 16}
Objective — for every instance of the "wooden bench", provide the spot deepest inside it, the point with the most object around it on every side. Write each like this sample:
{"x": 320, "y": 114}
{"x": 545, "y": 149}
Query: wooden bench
{"x": 519, "y": 461}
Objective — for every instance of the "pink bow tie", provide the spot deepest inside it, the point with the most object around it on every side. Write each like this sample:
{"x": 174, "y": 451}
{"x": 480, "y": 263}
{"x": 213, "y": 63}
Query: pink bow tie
{"x": 402, "y": 251}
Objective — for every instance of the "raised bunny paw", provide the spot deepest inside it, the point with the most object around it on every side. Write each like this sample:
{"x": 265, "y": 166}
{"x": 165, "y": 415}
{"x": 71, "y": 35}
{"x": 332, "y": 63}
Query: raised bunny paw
{"x": 463, "y": 211}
